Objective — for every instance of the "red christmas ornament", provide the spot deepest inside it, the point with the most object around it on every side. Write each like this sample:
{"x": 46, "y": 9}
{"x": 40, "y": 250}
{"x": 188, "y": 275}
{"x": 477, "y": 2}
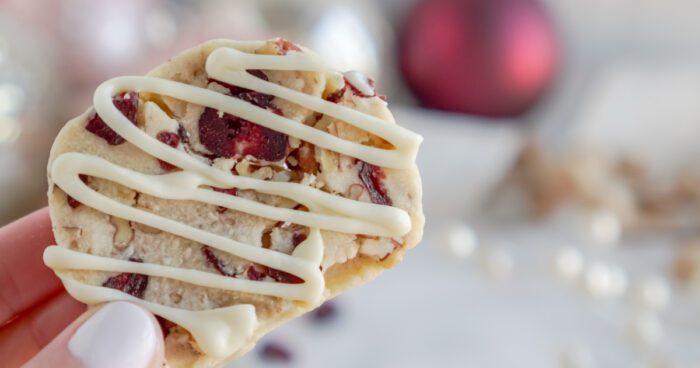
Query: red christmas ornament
{"x": 484, "y": 57}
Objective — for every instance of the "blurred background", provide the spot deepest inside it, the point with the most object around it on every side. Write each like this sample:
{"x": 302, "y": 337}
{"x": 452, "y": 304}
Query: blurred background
{"x": 560, "y": 164}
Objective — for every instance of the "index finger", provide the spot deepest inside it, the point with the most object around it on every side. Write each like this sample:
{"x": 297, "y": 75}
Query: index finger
{"x": 24, "y": 279}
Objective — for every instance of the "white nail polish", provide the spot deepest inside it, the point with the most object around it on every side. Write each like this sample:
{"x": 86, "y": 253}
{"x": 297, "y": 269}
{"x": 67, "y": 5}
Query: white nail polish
{"x": 119, "y": 335}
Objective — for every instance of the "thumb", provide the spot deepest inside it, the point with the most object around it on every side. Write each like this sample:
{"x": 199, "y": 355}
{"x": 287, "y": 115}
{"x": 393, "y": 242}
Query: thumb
{"x": 117, "y": 334}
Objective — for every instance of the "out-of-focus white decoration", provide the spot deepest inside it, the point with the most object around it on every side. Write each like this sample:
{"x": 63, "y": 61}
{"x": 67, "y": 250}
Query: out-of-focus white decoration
{"x": 11, "y": 98}
{"x": 342, "y": 37}
{"x": 645, "y": 329}
{"x": 568, "y": 263}
{"x": 603, "y": 228}
{"x": 652, "y": 292}
{"x": 10, "y": 129}
{"x": 576, "y": 355}
{"x": 460, "y": 240}
{"x": 496, "y": 263}
{"x": 604, "y": 280}
{"x": 359, "y": 81}
{"x": 115, "y": 38}
{"x": 349, "y": 35}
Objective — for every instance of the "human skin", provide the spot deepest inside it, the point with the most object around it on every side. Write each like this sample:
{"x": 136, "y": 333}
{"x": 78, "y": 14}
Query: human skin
{"x": 37, "y": 317}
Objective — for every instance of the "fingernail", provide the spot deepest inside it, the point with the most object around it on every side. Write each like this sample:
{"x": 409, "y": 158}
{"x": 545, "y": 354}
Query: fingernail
{"x": 120, "y": 334}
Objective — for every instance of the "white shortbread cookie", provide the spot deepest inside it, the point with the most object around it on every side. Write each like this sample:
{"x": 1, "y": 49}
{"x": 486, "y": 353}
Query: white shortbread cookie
{"x": 214, "y": 141}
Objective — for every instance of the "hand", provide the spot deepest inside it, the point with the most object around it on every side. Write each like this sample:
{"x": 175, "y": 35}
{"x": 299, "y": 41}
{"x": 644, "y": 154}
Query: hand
{"x": 42, "y": 326}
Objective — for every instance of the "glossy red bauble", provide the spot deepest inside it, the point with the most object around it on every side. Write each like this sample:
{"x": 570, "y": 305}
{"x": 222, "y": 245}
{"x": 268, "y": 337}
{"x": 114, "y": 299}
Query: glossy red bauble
{"x": 484, "y": 57}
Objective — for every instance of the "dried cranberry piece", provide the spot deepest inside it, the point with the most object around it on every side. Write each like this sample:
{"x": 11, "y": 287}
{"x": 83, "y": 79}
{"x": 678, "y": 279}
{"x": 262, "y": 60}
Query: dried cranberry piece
{"x": 372, "y": 176}
{"x": 283, "y": 277}
{"x": 324, "y": 313}
{"x": 231, "y": 191}
{"x": 256, "y": 98}
{"x": 286, "y": 46}
{"x": 258, "y": 73}
{"x": 127, "y": 104}
{"x": 298, "y": 238}
{"x": 169, "y": 138}
{"x": 165, "y": 325}
{"x": 254, "y": 272}
{"x": 370, "y": 81}
{"x": 339, "y": 93}
{"x": 226, "y": 135}
{"x": 355, "y": 91}
{"x": 72, "y": 202}
{"x": 172, "y": 140}
{"x": 275, "y": 352}
{"x": 131, "y": 283}
{"x": 258, "y": 272}
{"x": 214, "y": 261}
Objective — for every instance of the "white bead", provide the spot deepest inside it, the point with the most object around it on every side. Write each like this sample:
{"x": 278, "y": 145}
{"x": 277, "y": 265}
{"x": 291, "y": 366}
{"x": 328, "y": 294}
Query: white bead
{"x": 497, "y": 263}
{"x": 604, "y": 228}
{"x": 645, "y": 329}
{"x": 12, "y": 99}
{"x": 10, "y": 129}
{"x": 653, "y": 292}
{"x": 568, "y": 263}
{"x": 460, "y": 240}
{"x": 606, "y": 281}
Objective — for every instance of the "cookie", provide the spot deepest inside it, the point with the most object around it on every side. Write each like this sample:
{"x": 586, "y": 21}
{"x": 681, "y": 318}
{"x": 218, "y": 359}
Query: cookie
{"x": 237, "y": 186}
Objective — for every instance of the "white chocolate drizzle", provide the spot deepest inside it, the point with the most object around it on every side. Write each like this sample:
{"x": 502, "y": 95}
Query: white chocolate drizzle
{"x": 223, "y": 331}
{"x": 359, "y": 81}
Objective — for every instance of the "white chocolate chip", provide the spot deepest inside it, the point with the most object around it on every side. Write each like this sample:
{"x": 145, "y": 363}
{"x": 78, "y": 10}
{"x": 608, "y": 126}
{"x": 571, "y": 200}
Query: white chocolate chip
{"x": 157, "y": 120}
